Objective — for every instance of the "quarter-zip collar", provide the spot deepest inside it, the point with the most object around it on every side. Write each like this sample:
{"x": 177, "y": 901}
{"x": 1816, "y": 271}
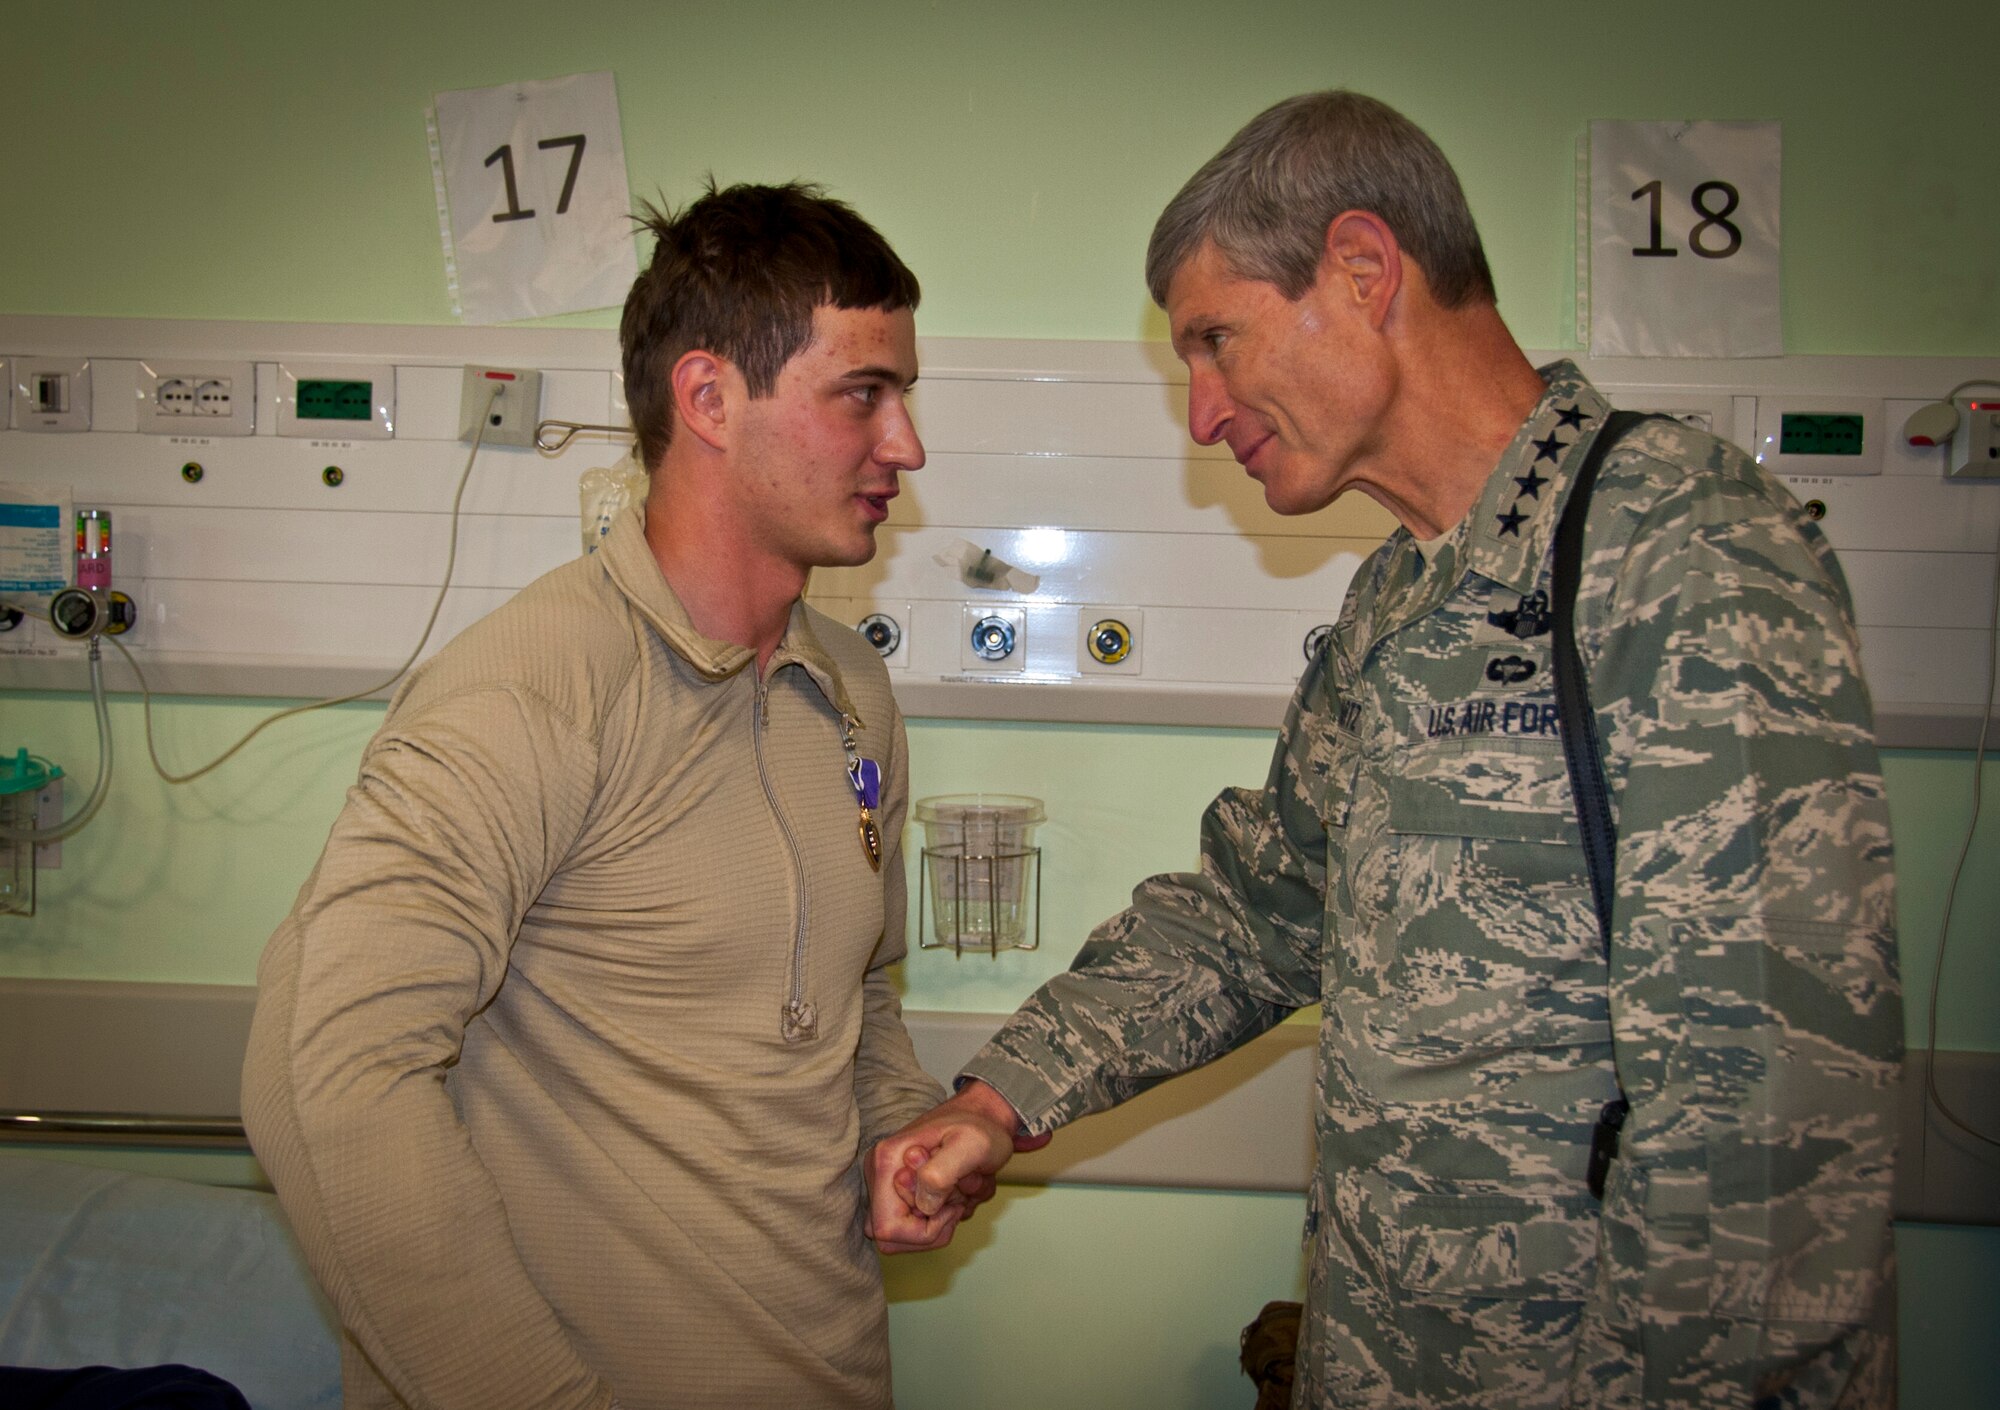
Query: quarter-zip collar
{"x": 628, "y": 560}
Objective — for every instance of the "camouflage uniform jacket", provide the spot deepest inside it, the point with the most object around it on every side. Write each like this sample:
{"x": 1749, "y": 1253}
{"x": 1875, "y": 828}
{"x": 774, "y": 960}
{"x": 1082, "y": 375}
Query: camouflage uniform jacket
{"x": 1413, "y": 864}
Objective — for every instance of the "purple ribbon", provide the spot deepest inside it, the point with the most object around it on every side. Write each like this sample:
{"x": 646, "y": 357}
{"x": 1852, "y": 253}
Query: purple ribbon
{"x": 866, "y": 776}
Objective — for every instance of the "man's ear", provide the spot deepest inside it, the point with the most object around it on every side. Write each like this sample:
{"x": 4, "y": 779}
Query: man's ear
{"x": 1364, "y": 263}
{"x": 701, "y": 401}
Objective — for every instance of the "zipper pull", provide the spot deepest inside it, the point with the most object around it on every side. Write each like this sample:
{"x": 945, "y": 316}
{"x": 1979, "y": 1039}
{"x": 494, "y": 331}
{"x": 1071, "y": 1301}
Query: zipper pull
{"x": 800, "y": 1022}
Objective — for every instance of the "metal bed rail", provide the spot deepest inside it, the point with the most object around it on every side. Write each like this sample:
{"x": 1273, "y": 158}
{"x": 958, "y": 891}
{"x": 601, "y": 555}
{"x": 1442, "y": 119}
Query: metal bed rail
{"x": 124, "y": 1128}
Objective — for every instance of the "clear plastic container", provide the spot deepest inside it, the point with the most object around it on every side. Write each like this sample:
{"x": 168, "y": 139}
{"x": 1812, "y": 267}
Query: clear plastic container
{"x": 22, "y": 778}
{"x": 981, "y": 869}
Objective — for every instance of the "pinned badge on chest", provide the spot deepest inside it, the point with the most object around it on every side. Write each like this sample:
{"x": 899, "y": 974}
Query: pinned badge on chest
{"x": 866, "y": 776}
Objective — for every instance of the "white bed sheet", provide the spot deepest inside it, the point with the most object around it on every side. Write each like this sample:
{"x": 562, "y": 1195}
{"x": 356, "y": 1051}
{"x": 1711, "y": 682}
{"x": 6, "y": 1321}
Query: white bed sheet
{"x": 103, "y": 1268}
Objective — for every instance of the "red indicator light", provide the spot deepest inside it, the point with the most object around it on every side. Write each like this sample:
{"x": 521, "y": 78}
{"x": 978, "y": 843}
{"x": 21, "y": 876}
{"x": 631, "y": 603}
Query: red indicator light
{"x": 499, "y": 376}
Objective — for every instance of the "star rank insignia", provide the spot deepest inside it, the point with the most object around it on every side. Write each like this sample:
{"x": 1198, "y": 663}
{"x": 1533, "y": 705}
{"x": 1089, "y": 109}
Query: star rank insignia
{"x": 1531, "y": 483}
{"x": 1511, "y": 521}
{"x": 1570, "y": 416}
{"x": 1549, "y": 448}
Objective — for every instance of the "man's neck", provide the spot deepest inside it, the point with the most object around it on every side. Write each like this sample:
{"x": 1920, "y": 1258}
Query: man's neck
{"x": 731, "y": 590}
{"x": 1464, "y": 388}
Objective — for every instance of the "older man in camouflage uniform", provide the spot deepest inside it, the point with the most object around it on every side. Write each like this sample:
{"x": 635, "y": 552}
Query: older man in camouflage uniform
{"x": 1413, "y": 863}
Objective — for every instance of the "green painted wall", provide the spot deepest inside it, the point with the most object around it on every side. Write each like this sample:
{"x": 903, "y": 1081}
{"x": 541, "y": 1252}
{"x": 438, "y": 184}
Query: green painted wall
{"x": 244, "y": 161}
{"x": 184, "y": 884}
{"x": 268, "y": 162}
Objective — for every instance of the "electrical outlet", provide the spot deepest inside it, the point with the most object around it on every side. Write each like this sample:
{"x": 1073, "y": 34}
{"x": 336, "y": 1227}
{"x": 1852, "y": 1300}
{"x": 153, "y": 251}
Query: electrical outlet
{"x": 511, "y": 416}
{"x": 215, "y": 397}
{"x": 174, "y": 397}
{"x": 1975, "y": 445}
{"x": 194, "y": 397}
{"x": 1107, "y": 641}
{"x": 335, "y": 400}
{"x": 51, "y": 394}
{"x": 1799, "y": 433}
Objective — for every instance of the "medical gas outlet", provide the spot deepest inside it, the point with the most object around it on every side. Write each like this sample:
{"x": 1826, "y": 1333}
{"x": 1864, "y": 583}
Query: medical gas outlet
{"x": 1109, "y": 640}
{"x": 92, "y": 607}
{"x": 880, "y": 631}
{"x": 995, "y": 639}
{"x": 79, "y": 614}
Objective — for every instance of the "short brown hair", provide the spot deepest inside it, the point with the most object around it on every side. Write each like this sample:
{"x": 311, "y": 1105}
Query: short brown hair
{"x": 738, "y": 273}
{"x": 1266, "y": 199}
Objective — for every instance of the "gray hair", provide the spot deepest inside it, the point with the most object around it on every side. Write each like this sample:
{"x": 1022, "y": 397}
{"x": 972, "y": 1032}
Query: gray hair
{"x": 1266, "y": 199}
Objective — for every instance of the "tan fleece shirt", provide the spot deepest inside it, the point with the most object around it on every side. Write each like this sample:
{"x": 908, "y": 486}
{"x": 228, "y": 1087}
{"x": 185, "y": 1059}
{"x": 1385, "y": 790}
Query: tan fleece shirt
{"x": 565, "y": 1059}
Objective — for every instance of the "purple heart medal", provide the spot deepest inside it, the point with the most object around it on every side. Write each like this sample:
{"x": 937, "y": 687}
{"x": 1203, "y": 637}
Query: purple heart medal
{"x": 866, "y": 776}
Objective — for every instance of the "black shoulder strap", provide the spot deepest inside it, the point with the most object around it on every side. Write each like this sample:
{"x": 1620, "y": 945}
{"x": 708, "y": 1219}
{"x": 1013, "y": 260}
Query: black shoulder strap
{"x": 1579, "y": 725}
{"x": 1581, "y": 749}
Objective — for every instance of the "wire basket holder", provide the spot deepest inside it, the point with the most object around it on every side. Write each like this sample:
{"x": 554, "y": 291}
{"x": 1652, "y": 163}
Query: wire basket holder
{"x": 973, "y": 907}
{"x": 978, "y": 865}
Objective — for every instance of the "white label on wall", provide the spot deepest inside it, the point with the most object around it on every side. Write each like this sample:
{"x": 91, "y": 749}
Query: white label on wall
{"x": 34, "y": 557}
{"x": 1684, "y": 249}
{"x": 538, "y": 208}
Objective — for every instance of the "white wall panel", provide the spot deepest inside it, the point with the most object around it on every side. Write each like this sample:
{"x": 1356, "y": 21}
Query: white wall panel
{"x": 1136, "y": 569}
{"x": 179, "y": 542}
{"x": 1914, "y": 589}
{"x": 1918, "y": 670}
{"x": 1904, "y": 512}
{"x": 1057, "y": 417}
{"x": 1068, "y": 459}
{"x": 1166, "y": 494}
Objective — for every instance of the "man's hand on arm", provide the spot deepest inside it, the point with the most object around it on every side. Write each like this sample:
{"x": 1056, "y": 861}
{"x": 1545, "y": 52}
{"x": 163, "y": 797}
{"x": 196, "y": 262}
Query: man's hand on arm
{"x": 926, "y": 1180}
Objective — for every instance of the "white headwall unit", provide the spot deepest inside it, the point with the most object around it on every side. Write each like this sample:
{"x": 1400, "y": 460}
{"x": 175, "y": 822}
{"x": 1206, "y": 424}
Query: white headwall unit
{"x": 1068, "y": 460}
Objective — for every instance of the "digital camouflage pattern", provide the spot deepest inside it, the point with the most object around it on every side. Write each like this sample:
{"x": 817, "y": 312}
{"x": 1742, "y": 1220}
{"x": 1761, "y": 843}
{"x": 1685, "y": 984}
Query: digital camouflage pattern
{"x": 1413, "y": 864}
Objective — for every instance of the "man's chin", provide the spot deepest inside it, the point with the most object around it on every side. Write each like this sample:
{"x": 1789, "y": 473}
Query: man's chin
{"x": 1294, "y": 494}
{"x": 1283, "y": 498}
{"x": 851, "y": 555}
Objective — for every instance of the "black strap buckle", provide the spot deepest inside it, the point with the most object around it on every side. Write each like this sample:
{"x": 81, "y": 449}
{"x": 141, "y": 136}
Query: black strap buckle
{"x": 1604, "y": 1144}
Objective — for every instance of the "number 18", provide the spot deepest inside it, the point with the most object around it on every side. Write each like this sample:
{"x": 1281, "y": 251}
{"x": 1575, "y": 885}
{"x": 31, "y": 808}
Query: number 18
{"x": 1655, "y": 248}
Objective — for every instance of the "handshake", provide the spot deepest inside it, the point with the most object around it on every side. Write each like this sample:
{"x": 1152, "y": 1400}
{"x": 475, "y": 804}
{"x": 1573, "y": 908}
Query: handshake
{"x": 924, "y": 1181}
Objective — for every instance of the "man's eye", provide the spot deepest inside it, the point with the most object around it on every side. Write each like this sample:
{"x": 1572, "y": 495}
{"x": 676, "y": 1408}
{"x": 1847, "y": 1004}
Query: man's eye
{"x": 867, "y": 395}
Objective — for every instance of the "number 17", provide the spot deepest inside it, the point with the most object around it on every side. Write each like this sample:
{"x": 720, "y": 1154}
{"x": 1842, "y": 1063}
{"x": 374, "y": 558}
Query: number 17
{"x": 504, "y": 154}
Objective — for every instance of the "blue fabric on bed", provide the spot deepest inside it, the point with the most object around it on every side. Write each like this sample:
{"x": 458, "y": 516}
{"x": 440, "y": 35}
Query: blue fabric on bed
{"x": 108, "y": 1388}
{"x": 99, "y": 1267}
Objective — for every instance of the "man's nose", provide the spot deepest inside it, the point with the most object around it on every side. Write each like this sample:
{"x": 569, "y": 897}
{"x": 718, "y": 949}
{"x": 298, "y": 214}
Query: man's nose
{"x": 901, "y": 447}
{"x": 1209, "y": 408}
